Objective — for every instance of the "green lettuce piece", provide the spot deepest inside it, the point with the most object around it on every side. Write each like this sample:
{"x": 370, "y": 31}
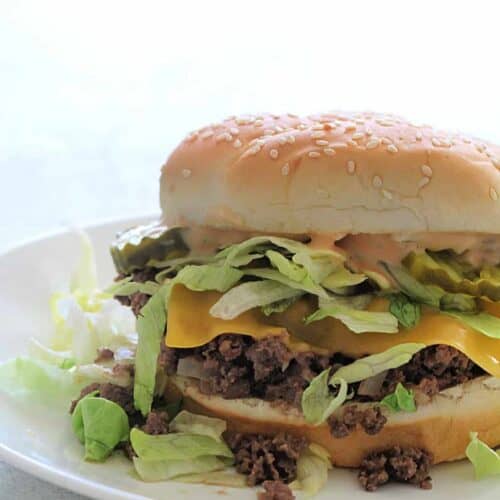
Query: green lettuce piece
{"x": 483, "y": 322}
{"x": 425, "y": 294}
{"x": 208, "y": 277}
{"x": 198, "y": 424}
{"x": 369, "y": 366}
{"x": 228, "y": 477}
{"x": 249, "y": 295}
{"x": 151, "y": 324}
{"x": 318, "y": 403}
{"x": 126, "y": 287}
{"x": 357, "y": 321}
{"x": 279, "y": 306}
{"x": 306, "y": 285}
{"x": 486, "y": 461}
{"x": 406, "y": 311}
{"x": 312, "y": 470}
{"x": 400, "y": 400}
{"x": 27, "y": 378}
{"x": 162, "y": 470}
{"x": 100, "y": 425}
{"x": 319, "y": 265}
{"x": 177, "y": 446}
{"x": 285, "y": 266}
{"x": 341, "y": 278}
{"x": 62, "y": 359}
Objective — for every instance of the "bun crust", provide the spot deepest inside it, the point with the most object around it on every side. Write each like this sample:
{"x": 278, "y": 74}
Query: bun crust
{"x": 334, "y": 172}
{"x": 441, "y": 426}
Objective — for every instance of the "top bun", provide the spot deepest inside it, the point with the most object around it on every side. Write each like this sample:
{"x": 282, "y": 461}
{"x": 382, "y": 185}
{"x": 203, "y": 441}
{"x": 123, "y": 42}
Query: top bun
{"x": 330, "y": 173}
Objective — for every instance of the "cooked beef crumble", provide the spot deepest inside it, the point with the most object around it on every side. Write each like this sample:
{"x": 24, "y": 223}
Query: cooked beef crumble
{"x": 156, "y": 423}
{"x": 369, "y": 419}
{"x": 409, "y": 465}
{"x": 122, "y": 396}
{"x": 275, "y": 490}
{"x": 138, "y": 300}
{"x": 263, "y": 458}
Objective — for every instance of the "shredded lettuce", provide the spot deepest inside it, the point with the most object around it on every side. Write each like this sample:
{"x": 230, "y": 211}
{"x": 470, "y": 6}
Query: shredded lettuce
{"x": 208, "y": 277}
{"x": 357, "y": 321}
{"x": 401, "y": 399}
{"x": 312, "y": 470}
{"x": 249, "y": 295}
{"x": 485, "y": 460}
{"x": 483, "y": 322}
{"x": 177, "y": 446}
{"x": 406, "y": 311}
{"x": 151, "y": 324}
{"x": 458, "y": 302}
{"x": 318, "y": 402}
{"x": 370, "y": 366}
{"x": 126, "y": 287}
{"x": 286, "y": 267}
{"x": 100, "y": 425}
{"x": 279, "y": 306}
{"x": 198, "y": 424}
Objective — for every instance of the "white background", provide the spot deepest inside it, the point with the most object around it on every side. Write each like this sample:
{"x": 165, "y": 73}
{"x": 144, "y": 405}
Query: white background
{"x": 94, "y": 94}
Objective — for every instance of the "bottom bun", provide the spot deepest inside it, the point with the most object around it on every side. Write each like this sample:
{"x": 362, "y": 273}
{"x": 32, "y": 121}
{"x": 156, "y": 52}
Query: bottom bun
{"x": 440, "y": 426}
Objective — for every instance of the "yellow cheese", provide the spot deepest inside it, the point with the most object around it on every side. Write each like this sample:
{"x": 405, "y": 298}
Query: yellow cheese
{"x": 190, "y": 325}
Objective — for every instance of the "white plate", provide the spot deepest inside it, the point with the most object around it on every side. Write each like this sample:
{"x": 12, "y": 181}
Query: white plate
{"x": 40, "y": 442}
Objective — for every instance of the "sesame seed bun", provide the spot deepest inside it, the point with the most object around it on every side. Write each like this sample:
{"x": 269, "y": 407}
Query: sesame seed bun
{"x": 441, "y": 426}
{"x": 361, "y": 172}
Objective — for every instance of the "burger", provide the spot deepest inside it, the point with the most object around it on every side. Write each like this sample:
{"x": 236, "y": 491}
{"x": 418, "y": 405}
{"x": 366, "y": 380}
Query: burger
{"x": 331, "y": 282}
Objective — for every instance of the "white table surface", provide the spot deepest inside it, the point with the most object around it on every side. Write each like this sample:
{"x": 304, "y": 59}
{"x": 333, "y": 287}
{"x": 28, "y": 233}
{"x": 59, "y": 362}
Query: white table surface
{"x": 94, "y": 95}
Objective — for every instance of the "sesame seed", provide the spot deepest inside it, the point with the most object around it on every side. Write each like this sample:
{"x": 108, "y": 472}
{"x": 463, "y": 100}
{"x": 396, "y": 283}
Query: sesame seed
{"x": 426, "y": 170}
{"x": 254, "y": 149}
{"x": 301, "y": 126}
{"x": 242, "y": 121}
{"x": 480, "y": 147}
{"x": 282, "y": 139}
{"x": 328, "y": 151}
{"x": 387, "y": 194}
{"x": 259, "y": 123}
{"x": 358, "y": 135}
{"x": 386, "y": 141}
{"x": 418, "y": 136}
{"x": 192, "y": 136}
{"x": 369, "y": 132}
{"x": 234, "y": 130}
{"x": 373, "y": 143}
{"x": 291, "y": 115}
{"x": 225, "y": 136}
{"x": 493, "y": 194}
{"x": 385, "y": 123}
{"x": 423, "y": 182}
{"x": 290, "y": 139}
{"x": 274, "y": 154}
{"x": 436, "y": 142}
{"x": 276, "y": 117}
{"x": 392, "y": 149}
{"x": 237, "y": 143}
{"x": 186, "y": 173}
{"x": 313, "y": 154}
{"x": 207, "y": 134}
{"x": 377, "y": 182}
{"x": 496, "y": 162}
{"x": 318, "y": 134}
{"x": 351, "y": 167}
{"x": 359, "y": 121}
{"x": 285, "y": 169}
{"x": 466, "y": 140}
{"x": 350, "y": 127}
{"x": 278, "y": 129}
{"x": 317, "y": 126}
{"x": 338, "y": 145}
{"x": 269, "y": 131}
{"x": 322, "y": 142}
{"x": 352, "y": 143}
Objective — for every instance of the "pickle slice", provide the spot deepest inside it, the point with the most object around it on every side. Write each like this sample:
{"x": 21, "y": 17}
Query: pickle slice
{"x": 140, "y": 246}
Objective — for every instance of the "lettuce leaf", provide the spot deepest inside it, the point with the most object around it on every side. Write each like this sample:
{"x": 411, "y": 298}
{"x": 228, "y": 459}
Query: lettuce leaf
{"x": 249, "y": 295}
{"x": 198, "y": 424}
{"x": 208, "y": 277}
{"x": 162, "y": 470}
{"x": 406, "y": 311}
{"x": 127, "y": 287}
{"x": 278, "y": 306}
{"x": 286, "y": 267}
{"x": 100, "y": 425}
{"x": 151, "y": 324}
{"x": 486, "y": 461}
{"x": 483, "y": 322}
{"x": 177, "y": 446}
{"x": 357, "y": 321}
{"x": 400, "y": 400}
{"x": 312, "y": 470}
{"x": 318, "y": 402}
{"x": 374, "y": 364}
{"x": 458, "y": 302}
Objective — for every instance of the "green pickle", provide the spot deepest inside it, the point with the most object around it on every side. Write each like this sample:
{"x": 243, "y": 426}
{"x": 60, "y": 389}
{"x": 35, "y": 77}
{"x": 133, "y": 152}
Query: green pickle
{"x": 446, "y": 271}
{"x": 142, "y": 246}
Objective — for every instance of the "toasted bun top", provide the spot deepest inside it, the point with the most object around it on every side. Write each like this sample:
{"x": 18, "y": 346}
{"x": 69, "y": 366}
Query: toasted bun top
{"x": 333, "y": 172}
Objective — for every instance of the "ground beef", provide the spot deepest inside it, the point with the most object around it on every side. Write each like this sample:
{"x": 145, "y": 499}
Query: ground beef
{"x": 122, "y": 396}
{"x": 138, "y": 300}
{"x": 168, "y": 359}
{"x": 264, "y": 458}
{"x": 267, "y": 356}
{"x": 275, "y": 490}
{"x": 370, "y": 419}
{"x": 409, "y": 465}
{"x": 433, "y": 369}
{"x": 156, "y": 423}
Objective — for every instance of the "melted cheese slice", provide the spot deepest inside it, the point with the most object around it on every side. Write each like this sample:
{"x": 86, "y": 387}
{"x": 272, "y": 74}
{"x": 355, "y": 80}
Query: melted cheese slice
{"x": 190, "y": 325}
